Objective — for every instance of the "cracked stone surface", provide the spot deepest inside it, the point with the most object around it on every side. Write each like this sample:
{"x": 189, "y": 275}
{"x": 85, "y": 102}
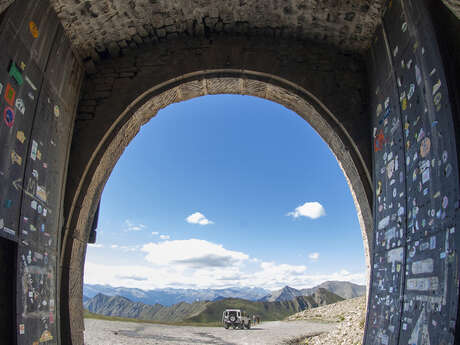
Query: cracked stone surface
{"x": 111, "y": 26}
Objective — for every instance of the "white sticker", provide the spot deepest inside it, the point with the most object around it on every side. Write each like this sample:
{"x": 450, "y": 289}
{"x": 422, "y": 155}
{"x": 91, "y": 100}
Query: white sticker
{"x": 33, "y": 153}
{"x": 20, "y": 105}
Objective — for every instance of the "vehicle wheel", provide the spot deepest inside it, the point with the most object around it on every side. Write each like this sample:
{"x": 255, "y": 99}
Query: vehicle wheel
{"x": 242, "y": 325}
{"x": 234, "y": 326}
{"x": 226, "y": 326}
{"x": 232, "y": 318}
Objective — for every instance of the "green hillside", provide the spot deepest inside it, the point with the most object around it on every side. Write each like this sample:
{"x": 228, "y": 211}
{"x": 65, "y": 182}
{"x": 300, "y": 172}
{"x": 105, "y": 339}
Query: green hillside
{"x": 268, "y": 311}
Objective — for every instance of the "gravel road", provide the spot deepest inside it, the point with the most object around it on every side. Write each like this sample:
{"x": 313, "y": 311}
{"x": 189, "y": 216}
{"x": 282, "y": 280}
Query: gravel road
{"x": 99, "y": 332}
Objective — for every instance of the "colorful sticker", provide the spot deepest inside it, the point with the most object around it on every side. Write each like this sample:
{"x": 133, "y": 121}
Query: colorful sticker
{"x": 10, "y": 93}
{"x": 8, "y": 116}
{"x": 34, "y": 29}
{"x": 16, "y": 74}
{"x": 425, "y": 147}
{"x": 46, "y": 336}
{"x": 15, "y": 158}
{"x": 57, "y": 112}
{"x": 379, "y": 141}
{"x": 21, "y": 329}
{"x": 33, "y": 151}
{"x": 20, "y": 136}
{"x": 19, "y": 104}
{"x": 436, "y": 86}
{"x": 41, "y": 193}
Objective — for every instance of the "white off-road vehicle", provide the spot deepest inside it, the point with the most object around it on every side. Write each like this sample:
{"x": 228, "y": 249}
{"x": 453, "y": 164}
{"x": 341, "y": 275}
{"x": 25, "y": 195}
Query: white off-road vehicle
{"x": 236, "y": 318}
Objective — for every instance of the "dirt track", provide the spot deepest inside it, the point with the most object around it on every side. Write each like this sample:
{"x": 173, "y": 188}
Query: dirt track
{"x": 100, "y": 332}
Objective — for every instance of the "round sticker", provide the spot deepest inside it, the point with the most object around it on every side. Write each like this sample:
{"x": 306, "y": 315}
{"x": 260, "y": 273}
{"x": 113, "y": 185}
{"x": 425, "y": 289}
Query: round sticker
{"x": 390, "y": 168}
{"x": 445, "y": 202}
{"x": 33, "y": 29}
{"x": 56, "y": 111}
{"x": 8, "y": 116}
{"x": 425, "y": 147}
{"x": 444, "y": 156}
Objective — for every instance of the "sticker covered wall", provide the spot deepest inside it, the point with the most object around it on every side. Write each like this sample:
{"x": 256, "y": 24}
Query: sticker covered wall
{"x": 418, "y": 232}
{"x": 35, "y": 132}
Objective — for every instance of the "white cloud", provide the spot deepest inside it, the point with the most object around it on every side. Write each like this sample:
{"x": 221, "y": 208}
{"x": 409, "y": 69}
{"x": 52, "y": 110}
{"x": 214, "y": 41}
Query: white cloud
{"x": 311, "y": 210}
{"x": 165, "y": 237}
{"x": 192, "y": 252}
{"x": 95, "y": 245}
{"x": 314, "y": 256}
{"x": 198, "y": 218}
{"x": 114, "y": 246}
{"x": 155, "y": 233}
{"x": 129, "y": 226}
{"x": 195, "y": 263}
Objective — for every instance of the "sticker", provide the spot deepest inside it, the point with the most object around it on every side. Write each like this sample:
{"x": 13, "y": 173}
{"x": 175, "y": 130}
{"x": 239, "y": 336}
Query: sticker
{"x": 39, "y": 155}
{"x": 34, "y": 29}
{"x": 418, "y": 75}
{"x": 32, "y": 85}
{"x": 423, "y": 284}
{"x": 411, "y": 91}
{"x": 20, "y": 105}
{"x": 425, "y": 147}
{"x": 8, "y": 116}
{"x": 7, "y": 203}
{"x": 445, "y": 202}
{"x": 423, "y": 266}
{"x": 33, "y": 205}
{"x": 21, "y": 329}
{"x": 22, "y": 66}
{"x": 395, "y": 51}
{"x": 379, "y": 188}
{"x": 20, "y": 136}
{"x": 384, "y": 222}
{"x": 33, "y": 151}
{"x": 15, "y": 158}
{"x": 395, "y": 255}
{"x": 444, "y": 156}
{"x": 16, "y": 74}
{"x": 46, "y": 336}
{"x": 404, "y": 103}
{"x": 436, "y": 86}
{"x": 10, "y": 93}
{"x": 41, "y": 193}
{"x": 379, "y": 110}
{"x": 1, "y": 88}
{"x": 437, "y": 99}
{"x": 448, "y": 170}
{"x": 390, "y": 168}
{"x": 426, "y": 175}
{"x": 379, "y": 141}
{"x": 404, "y": 27}
{"x": 56, "y": 111}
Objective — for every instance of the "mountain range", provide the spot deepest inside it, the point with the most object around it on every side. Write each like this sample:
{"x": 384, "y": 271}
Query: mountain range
{"x": 205, "y": 311}
{"x": 343, "y": 289}
{"x": 168, "y": 297}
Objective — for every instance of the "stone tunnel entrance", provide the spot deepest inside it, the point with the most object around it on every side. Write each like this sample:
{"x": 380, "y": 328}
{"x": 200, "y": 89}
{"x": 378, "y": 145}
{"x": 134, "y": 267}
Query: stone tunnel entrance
{"x": 384, "y": 97}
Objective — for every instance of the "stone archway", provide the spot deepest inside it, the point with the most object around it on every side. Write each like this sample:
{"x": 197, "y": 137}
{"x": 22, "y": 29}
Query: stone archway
{"x": 187, "y": 86}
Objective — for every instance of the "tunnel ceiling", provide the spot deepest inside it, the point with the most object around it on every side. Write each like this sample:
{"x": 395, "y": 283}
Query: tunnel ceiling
{"x": 109, "y": 26}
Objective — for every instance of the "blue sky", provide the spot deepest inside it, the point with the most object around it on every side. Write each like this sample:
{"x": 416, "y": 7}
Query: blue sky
{"x": 224, "y": 191}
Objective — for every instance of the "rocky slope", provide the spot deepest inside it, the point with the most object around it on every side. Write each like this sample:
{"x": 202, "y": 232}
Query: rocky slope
{"x": 349, "y": 315}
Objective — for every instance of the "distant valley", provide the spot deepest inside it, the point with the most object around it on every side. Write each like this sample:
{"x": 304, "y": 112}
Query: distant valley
{"x": 205, "y": 311}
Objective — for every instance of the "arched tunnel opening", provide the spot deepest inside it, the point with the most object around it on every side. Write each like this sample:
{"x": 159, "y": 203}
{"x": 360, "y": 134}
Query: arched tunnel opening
{"x": 239, "y": 158}
{"x": 378, "y": 80}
